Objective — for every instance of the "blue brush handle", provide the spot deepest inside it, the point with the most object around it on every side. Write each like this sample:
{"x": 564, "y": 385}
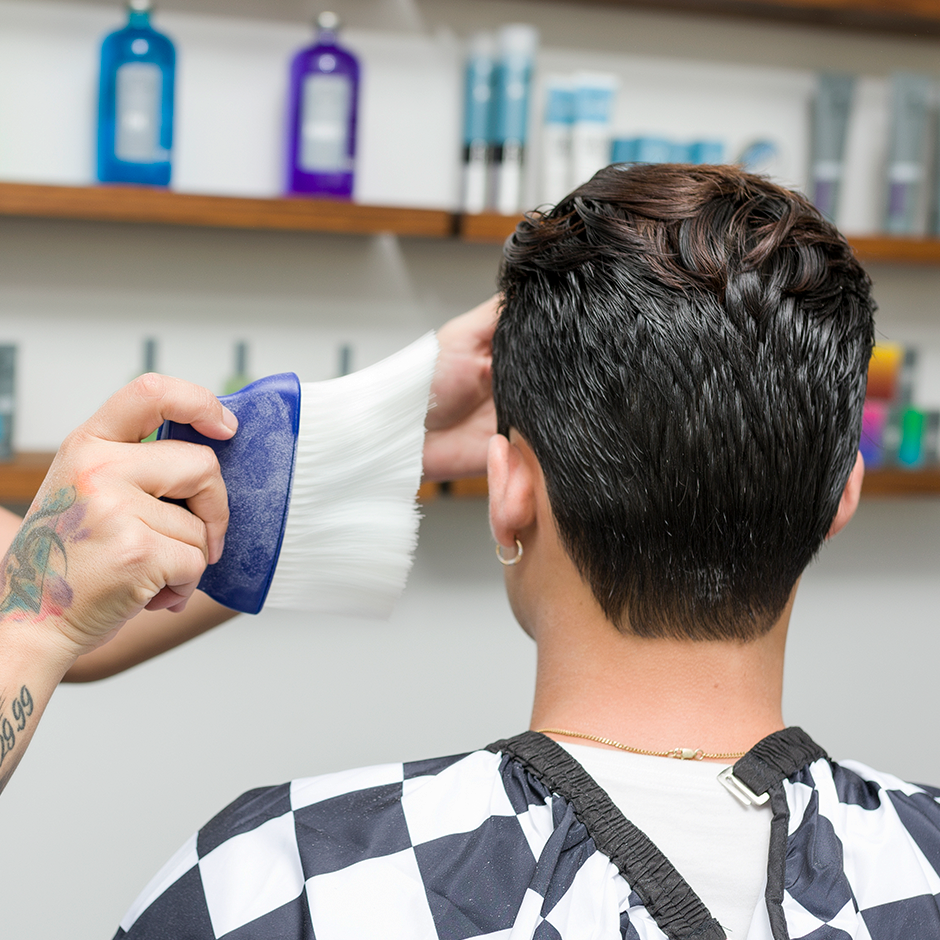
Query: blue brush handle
{"x": 257, "y": 467}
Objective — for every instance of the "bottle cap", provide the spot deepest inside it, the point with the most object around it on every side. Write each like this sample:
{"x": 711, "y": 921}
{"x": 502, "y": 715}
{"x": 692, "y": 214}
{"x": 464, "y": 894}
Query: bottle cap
{"x": 140, "y": 6}
{"x": 328, "y": 20}
{"x": 518, "y": 39}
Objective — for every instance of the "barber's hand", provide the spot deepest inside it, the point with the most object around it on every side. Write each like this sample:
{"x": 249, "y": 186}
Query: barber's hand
{"x": 98, "y": 544}
{"x": 462, "y": 417}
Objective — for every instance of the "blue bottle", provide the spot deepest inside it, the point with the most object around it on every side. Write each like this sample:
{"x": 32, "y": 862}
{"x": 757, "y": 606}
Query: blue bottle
{"x": 135, "y": 102}
{"x": 321, "y": 137}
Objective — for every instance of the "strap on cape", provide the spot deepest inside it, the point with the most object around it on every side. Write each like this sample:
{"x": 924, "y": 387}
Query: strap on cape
{"x": 665, "y": 894}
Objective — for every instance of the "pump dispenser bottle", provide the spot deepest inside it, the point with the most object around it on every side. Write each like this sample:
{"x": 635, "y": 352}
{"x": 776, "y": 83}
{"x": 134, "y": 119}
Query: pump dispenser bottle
{"x": 324, "y": 93}
{"x": 135, "y": 102}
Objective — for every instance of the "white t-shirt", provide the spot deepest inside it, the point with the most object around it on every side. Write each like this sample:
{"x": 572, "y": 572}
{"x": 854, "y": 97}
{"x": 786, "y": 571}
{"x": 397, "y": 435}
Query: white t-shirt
{"x": 715, "y": 842}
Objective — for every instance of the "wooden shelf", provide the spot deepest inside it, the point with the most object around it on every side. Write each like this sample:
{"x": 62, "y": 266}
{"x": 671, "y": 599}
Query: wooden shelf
{"x": 21, "y": 477}
{"x": 486, "y": 227}
{"x": 144, "y": 205}
{"x": 896, "y": 482}
{"x": 871, "y": 249}
{"x": 910, "y": 17}
{"x": 141, "y": 204}
{"x": 888, "y": 249}
{"x": 878, "y": 483}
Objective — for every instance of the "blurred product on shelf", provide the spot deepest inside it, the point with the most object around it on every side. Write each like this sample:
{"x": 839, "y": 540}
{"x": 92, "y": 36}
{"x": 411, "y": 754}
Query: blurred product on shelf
{"x": 594, "y": 94}
{"x": 149, "y": 364}
{"x": 911, "y": 99}
{"x": 760, "y": 156}
{"x": 239, "y": 378}
{"x": 557, "y": 179}
{"x": 7, "y": 399}
{"x": 517, "y": 44}
{"x": 344, "y": 357}
{"x": 135, "y": 102}
{"x": 324, "y": 97}
{"x": 661, "y": 150}
{"x": 896, "y": 431}
{"x": 641, "y": 150}
{"x": 479, "y": 80}
{"x": 705, "y": 151}
{"x": 150, "y": 356}
{"x": 831, "y": 108}
{"x": 885, "y": 369}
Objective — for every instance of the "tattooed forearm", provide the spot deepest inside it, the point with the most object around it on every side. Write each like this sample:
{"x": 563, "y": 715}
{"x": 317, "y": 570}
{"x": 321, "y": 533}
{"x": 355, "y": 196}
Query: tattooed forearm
{"x": 13, "y": 722}
{"x": 36, "y": 566}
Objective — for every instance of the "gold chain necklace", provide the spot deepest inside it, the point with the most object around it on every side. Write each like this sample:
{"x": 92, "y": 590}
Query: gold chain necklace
{"x": 680, "y": 753}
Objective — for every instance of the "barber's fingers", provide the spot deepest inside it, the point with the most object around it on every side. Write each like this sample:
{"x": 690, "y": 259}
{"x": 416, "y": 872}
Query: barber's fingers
{"x": 133, "y": 412}
{"x": 166, "y": 545}
{"x": 151, "y": 472}
{"x": 175, "y": 570}
{"x": 172, "y": 598}
{"x": 190, "y": 472}
{"x": 176, "y": 524}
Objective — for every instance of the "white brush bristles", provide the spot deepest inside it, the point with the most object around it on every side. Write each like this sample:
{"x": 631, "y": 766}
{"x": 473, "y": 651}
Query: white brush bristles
{"x": 352, "y": 523}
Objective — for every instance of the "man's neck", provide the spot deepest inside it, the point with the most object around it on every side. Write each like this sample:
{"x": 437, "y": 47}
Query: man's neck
{"x": 657, "y": 695}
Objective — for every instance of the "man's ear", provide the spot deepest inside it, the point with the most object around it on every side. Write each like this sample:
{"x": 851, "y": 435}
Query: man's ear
{"x": 850, "y": 496}
{"x": 512, "y": 495}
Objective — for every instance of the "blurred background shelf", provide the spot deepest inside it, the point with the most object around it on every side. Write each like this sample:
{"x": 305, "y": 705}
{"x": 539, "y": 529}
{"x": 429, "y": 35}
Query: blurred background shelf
{"x": 165, "y": 207}
{"x": 21, "y": 477}
{"x": 488, "y": 227}
{"x": 888, "y": 249}
{"x": 906, "y": 17}
{"x": 896, "y": 250}
{"x": 890, "y": 482}
{"x": 895, "y": 482}
{"x": 910, "y": 17}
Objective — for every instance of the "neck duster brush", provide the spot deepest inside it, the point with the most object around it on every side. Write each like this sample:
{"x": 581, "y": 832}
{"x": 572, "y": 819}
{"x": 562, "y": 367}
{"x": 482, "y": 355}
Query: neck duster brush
{"x": 321, "y": 481}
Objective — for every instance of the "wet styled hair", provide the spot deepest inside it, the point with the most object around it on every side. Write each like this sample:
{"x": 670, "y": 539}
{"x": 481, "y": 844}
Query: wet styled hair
{"x": 685, "y": 348}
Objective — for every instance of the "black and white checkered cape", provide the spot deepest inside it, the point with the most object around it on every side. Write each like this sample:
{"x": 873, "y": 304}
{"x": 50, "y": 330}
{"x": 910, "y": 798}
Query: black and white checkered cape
{"x": 479, "y": 845}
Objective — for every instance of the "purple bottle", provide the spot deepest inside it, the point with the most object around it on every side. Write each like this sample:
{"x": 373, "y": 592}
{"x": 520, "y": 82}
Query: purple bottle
{"x": 324, "y": 93}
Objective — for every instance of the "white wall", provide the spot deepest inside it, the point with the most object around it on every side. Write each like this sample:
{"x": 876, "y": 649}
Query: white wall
{"x": 122, "y": 771}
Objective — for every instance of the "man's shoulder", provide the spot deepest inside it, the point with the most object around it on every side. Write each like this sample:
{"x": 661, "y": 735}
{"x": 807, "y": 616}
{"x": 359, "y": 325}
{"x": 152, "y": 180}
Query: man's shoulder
{"x": 449, "y": 847}
{"x": 850, "y": 788}
{"x": 862, "y": 843}
{"x": 464, "y": 788}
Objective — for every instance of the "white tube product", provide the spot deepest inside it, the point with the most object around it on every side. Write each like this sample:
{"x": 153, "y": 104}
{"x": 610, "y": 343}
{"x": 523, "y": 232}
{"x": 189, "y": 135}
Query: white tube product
{"x": 517, "y": 44}
{"x": 556, "y": 180}
{"x": 910, "y": 101}
{"x": 830, "y": 120}
{"x": 478, "y": 120}
{"x": 591, "y": 131}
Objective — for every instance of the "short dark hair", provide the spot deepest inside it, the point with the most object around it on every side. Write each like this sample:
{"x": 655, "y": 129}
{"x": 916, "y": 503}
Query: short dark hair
{"x": 685, "y": 348}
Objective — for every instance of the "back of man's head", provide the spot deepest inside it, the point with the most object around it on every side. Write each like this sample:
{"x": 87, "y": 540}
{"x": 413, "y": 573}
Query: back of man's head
{"x": 685, "y": 349}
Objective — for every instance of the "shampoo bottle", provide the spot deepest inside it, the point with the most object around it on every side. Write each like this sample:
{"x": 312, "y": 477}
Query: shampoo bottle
{"x": 590, "y": 134}
{"x": 517, "y": 44}
{"x": 478, "y": 106}
{"x": 556, "y": 139}
{"x": 324, "y": 93}
{"x": 135, "y": 102}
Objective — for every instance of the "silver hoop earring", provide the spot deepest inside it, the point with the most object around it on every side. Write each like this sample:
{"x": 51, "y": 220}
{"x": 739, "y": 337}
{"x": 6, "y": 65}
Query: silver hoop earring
{"x": 509, "y": 561}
